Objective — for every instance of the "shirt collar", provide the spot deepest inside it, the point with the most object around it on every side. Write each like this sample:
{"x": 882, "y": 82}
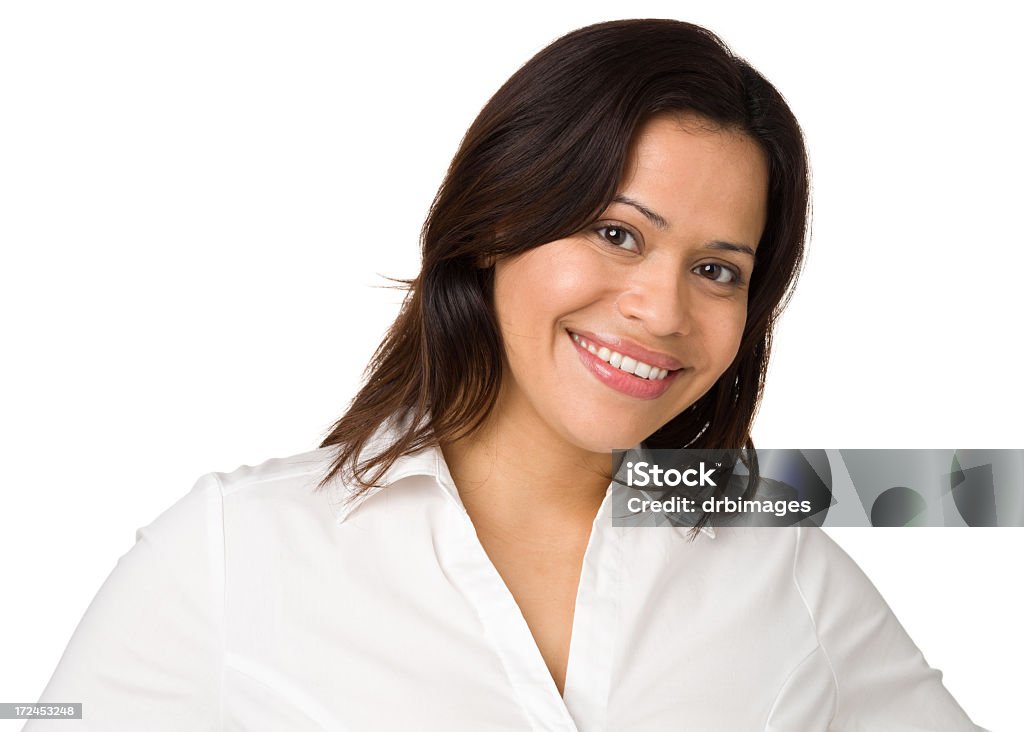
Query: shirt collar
{"x": 428, "y": 462}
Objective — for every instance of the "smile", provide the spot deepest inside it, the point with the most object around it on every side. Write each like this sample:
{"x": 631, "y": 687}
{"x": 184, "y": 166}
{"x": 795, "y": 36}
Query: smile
{"x": 641, "y": 381}
{"x": 623, "y": 363}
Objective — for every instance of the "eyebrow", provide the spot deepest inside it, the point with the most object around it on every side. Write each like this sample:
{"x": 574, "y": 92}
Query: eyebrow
{"x": 728, "y": 246}
{"x": 658, "y": 220}
{"x": 661, "y": 222}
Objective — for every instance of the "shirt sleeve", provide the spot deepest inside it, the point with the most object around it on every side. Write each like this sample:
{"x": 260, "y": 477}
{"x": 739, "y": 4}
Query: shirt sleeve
{"x": 148, "y": 653}
{"x": 882, "y": 680}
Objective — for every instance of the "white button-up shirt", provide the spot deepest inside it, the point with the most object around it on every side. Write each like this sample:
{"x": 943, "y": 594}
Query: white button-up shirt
{"x": 255, "y": 603}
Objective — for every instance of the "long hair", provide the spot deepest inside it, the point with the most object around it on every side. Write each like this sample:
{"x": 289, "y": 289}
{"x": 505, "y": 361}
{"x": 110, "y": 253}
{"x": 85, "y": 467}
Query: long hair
{"x": 541, "y": 161}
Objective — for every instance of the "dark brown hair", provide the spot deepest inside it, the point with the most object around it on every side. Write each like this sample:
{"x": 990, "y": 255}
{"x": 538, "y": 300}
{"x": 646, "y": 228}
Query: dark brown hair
{"x": 542, "y": 160}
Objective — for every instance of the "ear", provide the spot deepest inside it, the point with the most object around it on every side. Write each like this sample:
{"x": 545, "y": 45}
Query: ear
{"x": 486, "y": 261}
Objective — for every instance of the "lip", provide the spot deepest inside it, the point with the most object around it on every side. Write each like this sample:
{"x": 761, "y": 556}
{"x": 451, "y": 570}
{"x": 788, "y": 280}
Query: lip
{"x": 619, "y": 380}
{"x": 629, "y": 348}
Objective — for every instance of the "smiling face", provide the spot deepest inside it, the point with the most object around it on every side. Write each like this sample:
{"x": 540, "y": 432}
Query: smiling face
{"x": 612, "y": 332}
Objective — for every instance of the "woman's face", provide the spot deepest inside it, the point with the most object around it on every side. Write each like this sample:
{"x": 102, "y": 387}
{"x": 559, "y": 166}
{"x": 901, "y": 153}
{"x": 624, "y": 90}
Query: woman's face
{"x": 657, "y": 286}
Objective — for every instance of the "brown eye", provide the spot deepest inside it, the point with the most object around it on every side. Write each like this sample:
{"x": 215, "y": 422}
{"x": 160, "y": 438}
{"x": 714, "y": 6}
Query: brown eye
{"x": 619, "y": 236}
{"x": 718, "y": 273}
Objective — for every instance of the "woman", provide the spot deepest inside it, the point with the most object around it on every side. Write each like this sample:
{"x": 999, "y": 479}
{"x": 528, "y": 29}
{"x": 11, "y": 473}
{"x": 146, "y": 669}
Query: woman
{"x": 602, "y": 266}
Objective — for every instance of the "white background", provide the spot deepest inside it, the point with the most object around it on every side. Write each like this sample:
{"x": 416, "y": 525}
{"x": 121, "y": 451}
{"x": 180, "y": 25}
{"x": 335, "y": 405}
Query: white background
{"x": 197, "y": 200}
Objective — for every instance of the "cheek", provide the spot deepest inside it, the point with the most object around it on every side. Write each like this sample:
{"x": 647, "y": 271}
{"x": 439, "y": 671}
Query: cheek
{"x": 724, "y": 333}
{"x": 544, "y": 284}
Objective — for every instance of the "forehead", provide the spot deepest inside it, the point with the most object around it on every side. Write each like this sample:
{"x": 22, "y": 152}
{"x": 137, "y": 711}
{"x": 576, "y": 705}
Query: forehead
{"x": 697, "y": 173}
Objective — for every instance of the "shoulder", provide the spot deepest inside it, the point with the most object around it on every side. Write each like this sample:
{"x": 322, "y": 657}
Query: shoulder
{"x": 279, "y": 476}
{"x": 807, "y": 552}
{"x": 279, "y": 490}
{"x": 829, "y": 580}
{"x": 834, "y": 592}
{"x": 276, "y": 487}
{"x": 805, "y": 558}
{"x": 802, "y": 560}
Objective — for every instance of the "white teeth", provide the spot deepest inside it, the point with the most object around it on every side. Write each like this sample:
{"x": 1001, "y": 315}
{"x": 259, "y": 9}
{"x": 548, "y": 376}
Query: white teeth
{"x": 627, "y": 364}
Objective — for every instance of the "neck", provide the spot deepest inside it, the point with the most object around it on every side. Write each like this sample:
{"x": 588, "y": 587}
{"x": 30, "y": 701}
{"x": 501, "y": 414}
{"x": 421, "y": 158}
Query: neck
{"x": 516, "y": 477}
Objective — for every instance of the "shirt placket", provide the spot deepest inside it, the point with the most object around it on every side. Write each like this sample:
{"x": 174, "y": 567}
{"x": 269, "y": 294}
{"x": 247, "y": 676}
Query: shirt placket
{"x": 595, "y": 625}
{"x": 588, "y": 671}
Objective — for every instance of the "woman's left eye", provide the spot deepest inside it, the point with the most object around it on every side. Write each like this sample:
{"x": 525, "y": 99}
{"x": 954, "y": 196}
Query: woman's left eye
{"x": 718, "y": 273}
{"x": 619, "y": 236}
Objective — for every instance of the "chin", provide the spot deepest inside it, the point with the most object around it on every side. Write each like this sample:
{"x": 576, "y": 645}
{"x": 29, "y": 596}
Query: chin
{"x": 603, "y": 436}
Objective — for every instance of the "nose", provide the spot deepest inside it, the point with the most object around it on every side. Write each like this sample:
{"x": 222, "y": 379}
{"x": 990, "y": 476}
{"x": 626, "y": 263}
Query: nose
{"x": 660, "y": 300}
